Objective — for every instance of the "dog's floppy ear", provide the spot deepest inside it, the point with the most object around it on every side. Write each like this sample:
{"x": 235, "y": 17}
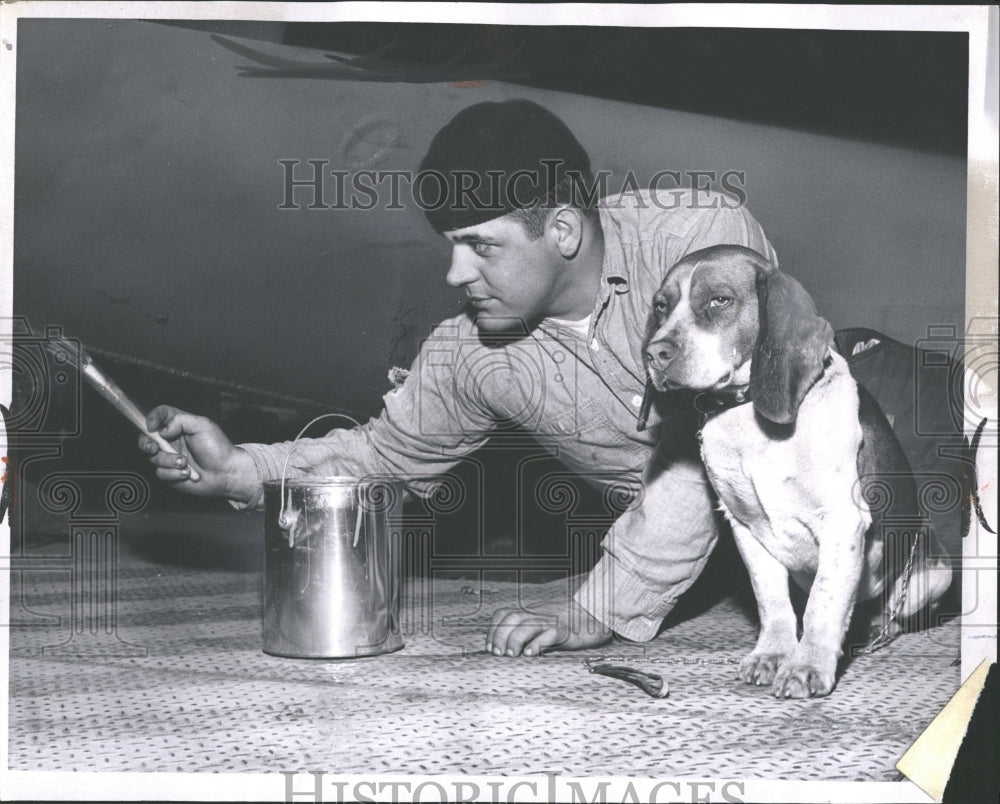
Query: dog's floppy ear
{"x": 791, "y": 347}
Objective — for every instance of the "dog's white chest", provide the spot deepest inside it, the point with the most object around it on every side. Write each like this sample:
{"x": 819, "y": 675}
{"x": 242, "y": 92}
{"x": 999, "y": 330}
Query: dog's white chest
{"x": 780, "y": 485}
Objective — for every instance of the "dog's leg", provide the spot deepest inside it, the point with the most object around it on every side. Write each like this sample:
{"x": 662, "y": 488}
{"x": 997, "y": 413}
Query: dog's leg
{"x": 776, "y": 640}
{"x": 812, "y": 667}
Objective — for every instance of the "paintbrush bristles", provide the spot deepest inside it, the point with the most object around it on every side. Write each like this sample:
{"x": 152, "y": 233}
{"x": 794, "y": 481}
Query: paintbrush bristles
{"x": 64, "y": 350}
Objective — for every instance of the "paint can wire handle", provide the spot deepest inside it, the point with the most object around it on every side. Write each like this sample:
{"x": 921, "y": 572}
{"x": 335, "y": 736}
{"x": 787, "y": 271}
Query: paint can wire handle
{"x": 287, "y": 519}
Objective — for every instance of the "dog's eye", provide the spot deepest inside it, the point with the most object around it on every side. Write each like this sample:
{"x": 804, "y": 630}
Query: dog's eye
{"x": 717, "y": 302}
{"x": 660, "y": 306}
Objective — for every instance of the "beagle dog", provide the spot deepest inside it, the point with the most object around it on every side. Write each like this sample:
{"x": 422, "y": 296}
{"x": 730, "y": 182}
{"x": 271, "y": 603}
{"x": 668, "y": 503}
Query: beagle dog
{"x": 798, "y": 454}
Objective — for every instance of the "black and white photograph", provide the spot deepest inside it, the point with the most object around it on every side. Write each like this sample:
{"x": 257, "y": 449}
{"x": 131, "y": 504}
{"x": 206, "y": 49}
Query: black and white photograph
{"x": 497, "y": 402}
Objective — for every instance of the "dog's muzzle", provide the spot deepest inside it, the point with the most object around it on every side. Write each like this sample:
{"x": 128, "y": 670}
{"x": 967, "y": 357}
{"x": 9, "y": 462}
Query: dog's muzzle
{"x": 660, "y": 352}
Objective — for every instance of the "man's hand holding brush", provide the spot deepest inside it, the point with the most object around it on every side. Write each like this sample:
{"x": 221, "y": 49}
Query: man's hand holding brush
{"x": 225, "y": 470}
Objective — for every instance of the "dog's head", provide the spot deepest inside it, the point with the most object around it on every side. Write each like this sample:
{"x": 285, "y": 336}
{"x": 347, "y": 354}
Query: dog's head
{"x": 726, "y": 318}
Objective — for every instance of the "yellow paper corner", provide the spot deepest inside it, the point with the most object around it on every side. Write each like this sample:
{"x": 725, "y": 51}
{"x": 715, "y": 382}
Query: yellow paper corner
{"x": 928, "y": 762}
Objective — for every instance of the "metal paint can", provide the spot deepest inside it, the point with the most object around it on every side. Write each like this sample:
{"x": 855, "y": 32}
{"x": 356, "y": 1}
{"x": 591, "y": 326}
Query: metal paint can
{"x": 332, "y": 567}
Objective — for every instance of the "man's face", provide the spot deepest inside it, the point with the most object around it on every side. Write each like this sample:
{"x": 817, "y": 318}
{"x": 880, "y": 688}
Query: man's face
{"x": 511, "y": 280}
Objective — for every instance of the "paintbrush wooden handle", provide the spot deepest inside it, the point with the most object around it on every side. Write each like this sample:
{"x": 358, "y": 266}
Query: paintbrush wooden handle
{"x": 109, "y": 389}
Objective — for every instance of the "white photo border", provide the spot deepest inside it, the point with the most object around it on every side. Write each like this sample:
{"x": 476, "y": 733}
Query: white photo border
{"x": 980, "y": 22}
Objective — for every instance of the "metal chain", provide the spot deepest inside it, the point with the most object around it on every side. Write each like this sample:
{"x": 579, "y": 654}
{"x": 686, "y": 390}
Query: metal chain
{"x": 882, "y": 639}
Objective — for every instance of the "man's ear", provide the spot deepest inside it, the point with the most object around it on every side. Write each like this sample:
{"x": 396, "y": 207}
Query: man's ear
{"x": 791, "y": 347}
{"x": 566, "y": 224}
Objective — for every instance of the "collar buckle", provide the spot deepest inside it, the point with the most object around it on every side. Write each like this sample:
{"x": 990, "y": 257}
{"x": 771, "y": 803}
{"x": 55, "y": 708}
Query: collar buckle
{"x": 708, "y": 402}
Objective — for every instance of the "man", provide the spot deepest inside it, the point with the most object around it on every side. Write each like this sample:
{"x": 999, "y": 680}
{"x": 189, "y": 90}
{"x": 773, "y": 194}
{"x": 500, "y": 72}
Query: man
{"x": 559, "y": 295}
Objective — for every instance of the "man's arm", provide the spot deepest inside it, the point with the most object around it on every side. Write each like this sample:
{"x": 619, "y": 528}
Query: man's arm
{"x": 656, "y": 549}
{"x": 428, "y": 424}
{"x": 652, "y": 555}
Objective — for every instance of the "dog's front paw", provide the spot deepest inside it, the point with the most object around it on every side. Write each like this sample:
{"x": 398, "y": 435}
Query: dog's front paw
{"x": 808, "y": 673}
{"x": 760, "y": 668}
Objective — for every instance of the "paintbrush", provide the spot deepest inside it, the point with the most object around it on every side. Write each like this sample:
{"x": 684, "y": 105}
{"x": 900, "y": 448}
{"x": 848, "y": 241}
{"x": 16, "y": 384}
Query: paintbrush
{"x": 63, "y": 350}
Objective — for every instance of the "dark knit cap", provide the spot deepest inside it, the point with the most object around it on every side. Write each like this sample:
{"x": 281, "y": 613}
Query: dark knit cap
{"x": 493, "y": 158}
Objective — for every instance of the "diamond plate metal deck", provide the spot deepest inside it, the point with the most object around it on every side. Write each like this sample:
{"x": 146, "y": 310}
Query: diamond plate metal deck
{"x": 204, "y": 697}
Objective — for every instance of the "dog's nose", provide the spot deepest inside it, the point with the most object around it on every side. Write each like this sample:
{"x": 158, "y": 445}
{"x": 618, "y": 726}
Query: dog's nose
{"x": 661, "y": 352}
